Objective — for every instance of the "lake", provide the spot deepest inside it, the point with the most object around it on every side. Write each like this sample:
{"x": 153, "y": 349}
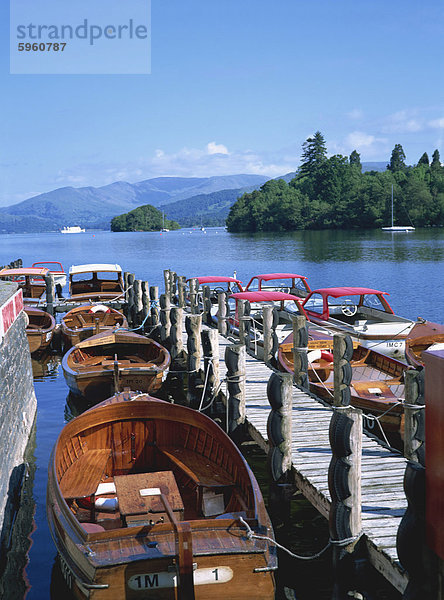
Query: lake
{"x": 407, "y": 265}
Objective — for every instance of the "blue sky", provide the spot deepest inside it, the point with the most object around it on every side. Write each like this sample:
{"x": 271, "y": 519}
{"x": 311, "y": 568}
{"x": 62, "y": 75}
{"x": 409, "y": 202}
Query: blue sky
{"x": 236, "y": 87}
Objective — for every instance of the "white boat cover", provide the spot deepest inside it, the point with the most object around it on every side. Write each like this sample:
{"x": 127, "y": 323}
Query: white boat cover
{"x": 96, "y": 267}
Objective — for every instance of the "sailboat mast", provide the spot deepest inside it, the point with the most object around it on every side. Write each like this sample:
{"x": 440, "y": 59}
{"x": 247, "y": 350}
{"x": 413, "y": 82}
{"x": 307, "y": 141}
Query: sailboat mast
{"x": 392, "y": 204}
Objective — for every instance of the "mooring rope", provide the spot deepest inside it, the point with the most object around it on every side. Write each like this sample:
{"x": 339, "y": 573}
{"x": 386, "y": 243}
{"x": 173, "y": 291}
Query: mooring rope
{"x": 341, "y": 543}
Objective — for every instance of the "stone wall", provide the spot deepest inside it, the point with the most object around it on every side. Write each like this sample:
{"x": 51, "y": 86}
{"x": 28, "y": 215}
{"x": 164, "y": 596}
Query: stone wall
{"x": 18, "y": 403}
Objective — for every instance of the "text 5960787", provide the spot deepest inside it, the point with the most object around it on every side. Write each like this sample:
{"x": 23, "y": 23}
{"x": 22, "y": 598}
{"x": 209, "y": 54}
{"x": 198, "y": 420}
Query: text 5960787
{"x": 41, "y": 47}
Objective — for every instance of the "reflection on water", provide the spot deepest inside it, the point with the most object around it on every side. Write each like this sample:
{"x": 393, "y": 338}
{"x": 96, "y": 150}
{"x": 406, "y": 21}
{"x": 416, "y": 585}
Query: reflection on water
{"x": 44, "y": 365}
{"x": 14, "y": 583}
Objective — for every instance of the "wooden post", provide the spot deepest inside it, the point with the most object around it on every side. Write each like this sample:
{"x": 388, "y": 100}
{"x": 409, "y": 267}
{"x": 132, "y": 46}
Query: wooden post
{"x": 414, "y": 416}
{"x": 300, "y": 344}
{"x": 167, "y": 282}
{"x": 176, "y": 317}
{"x": 138, "y": 303}
{"x": 145, "y": 306}
{"x": 210, "y": 347}
{"x": 247, "y": 325}
{"x": 194, "y": 287}
{"x": 279, "y": 428}
{"x": 240, "y": 315}
{"x": 193, "y": 326}
{"x": 154, "y": 301}
{"x": 130, "y": 299}
{"x": 235, "y": 361}
{"x": 173, "y": 286}
{"x": 50, "y": 293}
{"x": 267, "y": 320}
{"x": 342, "y": 376}
{"x": 420, "y": 535}
{"x": 222, "y": 313}
{"x": 126, "y": 284}
{"x": 280, "y": 397}
{"x": 207, "y": 305}
{"x": 181, "y": 287}
{"x": 165, "y": 308}
{"x": 344, "y": 474}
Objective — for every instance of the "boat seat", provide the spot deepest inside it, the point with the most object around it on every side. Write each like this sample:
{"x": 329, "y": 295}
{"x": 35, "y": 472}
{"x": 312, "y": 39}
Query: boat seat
{"x": 201, "y": 470}
{"x": 82, "y": 478}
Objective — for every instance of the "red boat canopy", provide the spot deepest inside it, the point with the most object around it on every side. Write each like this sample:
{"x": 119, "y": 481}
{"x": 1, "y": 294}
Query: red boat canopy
{"x": 217, "y": 279}
{"x": 23, "y": 272}
{"x": 264, "y": 296}
{"x": 269, "y": 276}
{"x": 337, "y": 292}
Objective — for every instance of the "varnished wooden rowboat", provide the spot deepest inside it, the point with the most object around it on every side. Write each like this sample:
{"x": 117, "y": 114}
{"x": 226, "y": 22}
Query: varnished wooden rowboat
{"x": 40, "y": 328}
{"x": 415, "y": 348}
{"x": 109, "y": 362}
{"x": 180, "y": 497}
{"x": 377, "y": 385}
{"x": 82, "y": 322}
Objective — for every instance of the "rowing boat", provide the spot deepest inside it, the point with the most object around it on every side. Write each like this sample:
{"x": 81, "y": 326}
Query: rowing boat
{"x": 377, "y": 384}
{"x": 40, "y": 328}
{"x": 112, "y": 361}
{"x": 84, "y": 321}
{"x": 148, "y": 499}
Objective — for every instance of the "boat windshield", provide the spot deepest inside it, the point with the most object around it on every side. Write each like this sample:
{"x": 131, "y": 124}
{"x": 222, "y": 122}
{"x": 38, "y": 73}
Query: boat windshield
{"x": 106, "y": 275}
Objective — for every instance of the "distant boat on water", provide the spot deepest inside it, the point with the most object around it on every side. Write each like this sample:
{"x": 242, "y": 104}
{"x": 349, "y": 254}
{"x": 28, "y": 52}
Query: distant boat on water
{"x": 73, "y": 229}
{"x": 404, "y": 228}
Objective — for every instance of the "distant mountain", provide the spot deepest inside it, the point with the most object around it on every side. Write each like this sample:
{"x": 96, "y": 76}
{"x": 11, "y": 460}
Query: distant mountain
{"x": 95, "y": 207}
{"x": 208, "y": 209}
{"x": 374, "y": 166}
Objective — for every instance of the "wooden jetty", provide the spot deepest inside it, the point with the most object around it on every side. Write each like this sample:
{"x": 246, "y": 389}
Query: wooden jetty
{"x": 382, "y": 495}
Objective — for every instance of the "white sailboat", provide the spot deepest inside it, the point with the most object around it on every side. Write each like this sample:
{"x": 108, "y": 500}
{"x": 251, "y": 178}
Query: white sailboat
{"x": 405, "y": 228}
{"x": 163, "y": 223}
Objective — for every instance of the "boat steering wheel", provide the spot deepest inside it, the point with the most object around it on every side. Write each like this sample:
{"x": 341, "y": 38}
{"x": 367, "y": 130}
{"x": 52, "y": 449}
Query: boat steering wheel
{"x": 218, "y": 290}
{"x": 348, "y": 308}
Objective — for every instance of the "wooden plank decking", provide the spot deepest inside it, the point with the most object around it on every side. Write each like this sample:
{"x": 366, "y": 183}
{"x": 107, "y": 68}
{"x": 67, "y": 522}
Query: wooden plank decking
{"x": 383, "y": 498}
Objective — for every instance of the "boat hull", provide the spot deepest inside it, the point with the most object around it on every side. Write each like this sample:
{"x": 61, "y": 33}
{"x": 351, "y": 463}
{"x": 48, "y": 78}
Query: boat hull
{"x": 113, "y": 361}
{"x": 40, "y": 329}
{"x": 107, "y": 556}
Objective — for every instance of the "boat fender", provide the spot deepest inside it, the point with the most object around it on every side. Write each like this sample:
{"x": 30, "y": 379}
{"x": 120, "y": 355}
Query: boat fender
{"x": 102, "y": 504}
{"x": 315, "y": 355}
{"x": 99, "y": 308}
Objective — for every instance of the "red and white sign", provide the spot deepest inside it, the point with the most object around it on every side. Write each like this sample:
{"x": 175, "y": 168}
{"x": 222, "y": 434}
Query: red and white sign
{"x": 10, "y": 311}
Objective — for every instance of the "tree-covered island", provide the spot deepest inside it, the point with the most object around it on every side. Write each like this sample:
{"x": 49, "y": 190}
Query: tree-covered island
{"x": 142, "y": 218}
{"x": 329, "y": 193}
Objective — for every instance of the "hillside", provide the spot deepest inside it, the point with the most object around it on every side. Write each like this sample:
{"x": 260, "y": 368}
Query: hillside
{"x": 95, "y": 207}
{"x": 210, "y": 209}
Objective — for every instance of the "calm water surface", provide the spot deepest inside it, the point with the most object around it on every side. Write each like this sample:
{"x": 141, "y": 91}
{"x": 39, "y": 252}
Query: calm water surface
{"x": 409, "y": 266}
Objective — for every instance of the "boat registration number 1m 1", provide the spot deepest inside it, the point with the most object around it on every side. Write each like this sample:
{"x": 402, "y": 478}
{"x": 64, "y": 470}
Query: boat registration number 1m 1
{"x": 163, "y": 579}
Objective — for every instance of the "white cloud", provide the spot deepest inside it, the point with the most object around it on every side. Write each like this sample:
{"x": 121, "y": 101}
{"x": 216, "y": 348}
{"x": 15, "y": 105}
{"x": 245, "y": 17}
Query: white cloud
{"x": 403, "y": 121}
{"x": 370, "y": 146}
{"x": 212, "y": 159}
{"x": 437, "y": 123}
{"x": 213, "y": 148}
{"x": 355, "y": 114}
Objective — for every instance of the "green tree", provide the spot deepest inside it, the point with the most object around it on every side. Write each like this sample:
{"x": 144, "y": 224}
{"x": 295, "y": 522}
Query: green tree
{"x": 355, "y": 160}
{"x": 314, "y": 153}
{"x": 397, "y": 160}
{"x": 142, "y": 218}
{"x": 424, "y": 160}
{"x": 436, "y": 161}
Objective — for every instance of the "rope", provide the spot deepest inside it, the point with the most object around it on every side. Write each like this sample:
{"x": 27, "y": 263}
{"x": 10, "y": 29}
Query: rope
{"x": 341, "y": 543}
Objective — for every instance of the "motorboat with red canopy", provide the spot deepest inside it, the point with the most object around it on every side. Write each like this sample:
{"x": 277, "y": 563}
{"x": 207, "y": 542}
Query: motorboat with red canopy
{"x": 365, "y": 315}
{"x": 290, "y": 283}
